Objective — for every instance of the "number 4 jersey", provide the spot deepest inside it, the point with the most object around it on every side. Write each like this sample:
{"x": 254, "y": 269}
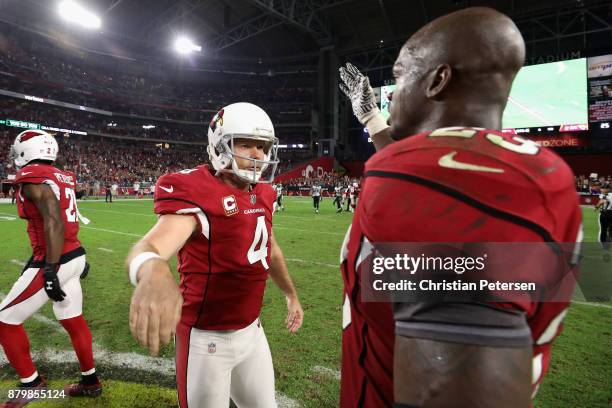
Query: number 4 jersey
{"x": 63, "y": 184}
{"x": 224, "y": 264}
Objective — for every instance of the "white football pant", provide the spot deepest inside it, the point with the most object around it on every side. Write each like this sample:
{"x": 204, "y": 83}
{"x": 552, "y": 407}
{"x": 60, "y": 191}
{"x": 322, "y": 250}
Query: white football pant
{"x": 27, "y": 295}
{"x": 223, "y": 364}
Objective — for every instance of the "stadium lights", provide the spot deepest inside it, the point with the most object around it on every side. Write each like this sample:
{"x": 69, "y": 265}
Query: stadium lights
{"x": 148, "y": 126}
{"x": 184, "y": 45}
{"x": 75, "y": 13}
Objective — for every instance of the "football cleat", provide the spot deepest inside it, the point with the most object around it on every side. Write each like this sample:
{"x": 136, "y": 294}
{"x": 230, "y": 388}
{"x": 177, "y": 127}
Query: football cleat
{"x": 20, "y": 402}
{"x": 82, "y": 390}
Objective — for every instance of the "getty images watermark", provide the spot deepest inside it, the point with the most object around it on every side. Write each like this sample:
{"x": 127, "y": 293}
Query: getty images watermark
{"x": 510, "y": 272}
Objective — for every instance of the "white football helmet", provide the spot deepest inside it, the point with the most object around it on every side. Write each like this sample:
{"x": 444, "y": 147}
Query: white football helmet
{"x": 33, "y": 145}
{"x": 242, "y": 121}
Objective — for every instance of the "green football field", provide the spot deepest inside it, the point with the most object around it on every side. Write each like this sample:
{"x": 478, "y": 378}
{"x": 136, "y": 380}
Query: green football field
{"x": 548, "y": 95}
{"x": 306, "y": 364}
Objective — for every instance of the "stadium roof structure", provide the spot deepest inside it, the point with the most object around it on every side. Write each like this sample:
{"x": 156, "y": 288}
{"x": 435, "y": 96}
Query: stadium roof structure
{"x": 268, "y": 31}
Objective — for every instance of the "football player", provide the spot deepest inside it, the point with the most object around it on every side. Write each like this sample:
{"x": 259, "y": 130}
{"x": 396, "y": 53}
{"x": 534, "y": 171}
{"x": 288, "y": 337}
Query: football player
{"x": 46, "y": 199}
{"x": 447, "y": 174}
{"x": 315, "y": 192}
{"x": 605, "y": 217}
{"x": 219, "y": 221}
{"x": 279, "y": 197}
{"x": 346, "y": 197}
{"x": 353, "y": 193}
{"x": 338, "y": 198}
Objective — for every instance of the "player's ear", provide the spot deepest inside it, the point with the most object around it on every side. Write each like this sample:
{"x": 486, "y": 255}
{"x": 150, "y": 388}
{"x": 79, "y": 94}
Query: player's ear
{"x": 438, "y": 80}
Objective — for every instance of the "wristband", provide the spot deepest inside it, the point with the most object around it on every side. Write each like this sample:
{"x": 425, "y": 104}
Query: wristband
{"x": 51, "y": 269}
{"x": 376, "y": 124}
{"x": 137, "y": 263}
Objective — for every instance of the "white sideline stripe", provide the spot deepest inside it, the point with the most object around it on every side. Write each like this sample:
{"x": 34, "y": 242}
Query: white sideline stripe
{"x": 120, "y": 360}
{"x": 105, "y": 249}
{"x": 17, "y": 262}
{"x": 312, "y": 262}
{"x": 129, "y": 234}
{"x": 327, "y": 371}
{"x": 593, "y": 304}
{"x": 9, "y": 215}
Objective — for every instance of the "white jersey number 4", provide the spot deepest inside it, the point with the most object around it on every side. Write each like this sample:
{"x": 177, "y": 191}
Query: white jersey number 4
{"x": 261, "y": 239}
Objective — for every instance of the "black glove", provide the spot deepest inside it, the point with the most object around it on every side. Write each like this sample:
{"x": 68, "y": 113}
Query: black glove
{"x": 51, "y": 283}
{"x": 85, "y": 271}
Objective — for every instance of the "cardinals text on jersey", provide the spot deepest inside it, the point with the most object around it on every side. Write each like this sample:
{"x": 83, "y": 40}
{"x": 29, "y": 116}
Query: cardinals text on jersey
{"x": 224, "y": 267}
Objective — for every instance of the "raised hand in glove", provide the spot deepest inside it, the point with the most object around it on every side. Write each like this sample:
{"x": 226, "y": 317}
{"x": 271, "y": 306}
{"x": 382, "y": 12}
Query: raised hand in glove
{"x": 51, "y": 283}
{"x": 356, "y": 87}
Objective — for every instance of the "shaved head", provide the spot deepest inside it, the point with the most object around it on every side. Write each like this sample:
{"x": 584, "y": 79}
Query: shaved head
{"x": 456, "y": 70}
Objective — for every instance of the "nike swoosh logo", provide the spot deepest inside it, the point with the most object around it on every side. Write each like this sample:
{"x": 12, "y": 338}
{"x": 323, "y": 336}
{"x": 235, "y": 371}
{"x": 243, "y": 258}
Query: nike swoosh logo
{"x": 26, "y": 173}
{"x": 448, "y": 161}
{"x": 167, "y": 189}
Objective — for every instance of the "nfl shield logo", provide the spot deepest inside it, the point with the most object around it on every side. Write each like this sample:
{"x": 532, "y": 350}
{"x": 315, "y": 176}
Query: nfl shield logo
{"x": 253, "y": 199}
{"x": 212, "y": 348}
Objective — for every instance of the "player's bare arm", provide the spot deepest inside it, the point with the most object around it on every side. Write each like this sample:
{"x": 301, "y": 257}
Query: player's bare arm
{"x": 156, "y": 304}
{"x": 48, "y": 205}
{"x": 280, "y": 275}
{"x": 357, "y": 89}
{"x": 435, "y": 374}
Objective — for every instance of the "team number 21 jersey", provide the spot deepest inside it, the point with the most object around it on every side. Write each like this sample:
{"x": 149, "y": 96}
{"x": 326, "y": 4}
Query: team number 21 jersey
{"x": 63, "y": 185}
{"x": 224, "y": 265}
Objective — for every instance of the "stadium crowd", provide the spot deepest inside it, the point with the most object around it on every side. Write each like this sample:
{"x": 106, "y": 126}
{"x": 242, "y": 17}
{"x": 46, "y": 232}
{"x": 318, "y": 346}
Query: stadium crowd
{"x": 73, "y": 119}
{"x": 106, "y": 161}
{"x": 592, "y": 184}
{"x": 123, "y": 162}
{"x": 40, "y": 67}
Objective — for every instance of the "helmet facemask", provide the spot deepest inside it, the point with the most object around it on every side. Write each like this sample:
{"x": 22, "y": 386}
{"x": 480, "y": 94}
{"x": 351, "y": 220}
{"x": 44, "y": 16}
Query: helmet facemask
{"x": 259, "y": 171}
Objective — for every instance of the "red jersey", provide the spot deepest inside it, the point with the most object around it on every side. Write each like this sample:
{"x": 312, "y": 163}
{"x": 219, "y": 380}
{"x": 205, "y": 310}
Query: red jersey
{"x": 450, "y": 185}
{"x": 224, "y": 265}
{"x": 63, "y": 184}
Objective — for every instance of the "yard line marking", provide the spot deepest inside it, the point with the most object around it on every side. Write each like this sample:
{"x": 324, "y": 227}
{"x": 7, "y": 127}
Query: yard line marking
{"x": 593, "y": 304}
{"x": 105, "y": 249}
{"x": 139, "y": 236}
{"x": 327, "y": 371}
{"x": 121, "y": 212}
{"x": 129, "y": 234}
{"x": 44, "y": 320}
{"x": 312, "y": 262}
{"x": 311, "y": 231}
{"x": 18, "y": 262}
{"x": 159, "y": 365}
{"x": 117, "y": 200}
{"x": 120, "y": 360}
